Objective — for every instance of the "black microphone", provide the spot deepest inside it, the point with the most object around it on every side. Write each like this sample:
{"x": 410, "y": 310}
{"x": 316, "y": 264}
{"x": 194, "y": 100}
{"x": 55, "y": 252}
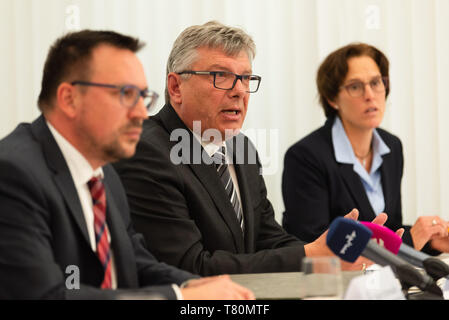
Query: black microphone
{"x": 435, "y": 267}
{"x": 349, "y": 239}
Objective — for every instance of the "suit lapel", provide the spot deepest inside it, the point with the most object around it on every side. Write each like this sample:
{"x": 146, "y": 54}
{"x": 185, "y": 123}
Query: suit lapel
{"x": 355, "y": 187}
{"x": 248, "y": 210}
{"x": 65, "y": 183}
{"x": 206, "y": 173}
{"x": 62, "y": 176}
{"x": 386, "y": 172}
{"x": 120, "y": 243}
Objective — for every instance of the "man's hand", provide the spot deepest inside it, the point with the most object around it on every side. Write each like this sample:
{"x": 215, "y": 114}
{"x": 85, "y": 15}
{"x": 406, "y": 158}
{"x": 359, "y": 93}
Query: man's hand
{"x": 216, "y": 288}
{"x": 319, "y": 246}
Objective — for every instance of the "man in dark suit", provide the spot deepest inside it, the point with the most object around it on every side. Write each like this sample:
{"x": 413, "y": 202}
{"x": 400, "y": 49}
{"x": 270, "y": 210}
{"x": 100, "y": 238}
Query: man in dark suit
{"x": 196, "y": 211}
{"x": 65, "y": 230}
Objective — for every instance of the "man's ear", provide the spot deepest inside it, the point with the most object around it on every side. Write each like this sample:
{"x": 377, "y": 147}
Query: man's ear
{"x": 66, "y": 98}
{"x": 174, "y": 88}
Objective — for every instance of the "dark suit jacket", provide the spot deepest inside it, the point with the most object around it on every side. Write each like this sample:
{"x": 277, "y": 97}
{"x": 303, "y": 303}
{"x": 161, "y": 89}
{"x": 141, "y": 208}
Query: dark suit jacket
{"x": 317, "y": 189}
{"x": 185, "y": 214}
{"x": 42, "y": 227}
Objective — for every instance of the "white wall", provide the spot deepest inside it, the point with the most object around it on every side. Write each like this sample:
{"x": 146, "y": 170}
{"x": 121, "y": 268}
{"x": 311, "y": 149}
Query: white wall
{"x": 292, "y": 37}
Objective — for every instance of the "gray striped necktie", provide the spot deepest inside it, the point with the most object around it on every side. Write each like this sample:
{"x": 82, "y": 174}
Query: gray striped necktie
{"x": 225, "y": 176}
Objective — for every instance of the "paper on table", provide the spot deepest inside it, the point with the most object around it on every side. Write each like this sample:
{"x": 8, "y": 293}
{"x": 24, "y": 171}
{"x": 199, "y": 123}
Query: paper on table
{"x": 377, "y": 285}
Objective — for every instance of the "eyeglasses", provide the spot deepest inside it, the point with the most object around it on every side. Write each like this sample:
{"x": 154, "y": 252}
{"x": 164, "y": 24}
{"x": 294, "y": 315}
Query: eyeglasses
{"x": 129, "y": 94}
{"x": 226, "y": 80}
{"x": 356, "y": 89}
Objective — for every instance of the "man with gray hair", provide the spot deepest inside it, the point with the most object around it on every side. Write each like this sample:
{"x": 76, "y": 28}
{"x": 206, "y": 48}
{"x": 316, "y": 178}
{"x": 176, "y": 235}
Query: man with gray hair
{"x": 194, "y": 185}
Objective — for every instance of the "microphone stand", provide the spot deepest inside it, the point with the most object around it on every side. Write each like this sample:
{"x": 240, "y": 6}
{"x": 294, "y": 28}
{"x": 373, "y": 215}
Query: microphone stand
{"x": 409, "y": 276}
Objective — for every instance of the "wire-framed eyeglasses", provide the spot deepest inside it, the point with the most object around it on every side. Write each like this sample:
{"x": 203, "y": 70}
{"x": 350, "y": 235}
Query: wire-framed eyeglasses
{"x": 129, "y": 94}
{"x": 357, "y": 88}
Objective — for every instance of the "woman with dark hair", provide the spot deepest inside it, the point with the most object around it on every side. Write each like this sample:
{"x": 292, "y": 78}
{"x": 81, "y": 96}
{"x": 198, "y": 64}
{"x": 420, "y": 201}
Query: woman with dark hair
{"x": 350, "y": 162}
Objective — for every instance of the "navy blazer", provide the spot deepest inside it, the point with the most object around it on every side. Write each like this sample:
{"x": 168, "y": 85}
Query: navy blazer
{"x": 43, "y": 230}
{"x": 316, "y": 188}
{"x": 184, "y": 211}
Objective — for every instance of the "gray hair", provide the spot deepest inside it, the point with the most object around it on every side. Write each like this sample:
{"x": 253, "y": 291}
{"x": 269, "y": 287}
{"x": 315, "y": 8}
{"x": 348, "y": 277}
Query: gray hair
{"x": 213, "y": 35}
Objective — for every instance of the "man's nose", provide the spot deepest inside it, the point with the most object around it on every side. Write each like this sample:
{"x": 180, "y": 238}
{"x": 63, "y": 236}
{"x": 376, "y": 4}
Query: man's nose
{"x": 239, "y": 88}
{"x": 139, "y": 110}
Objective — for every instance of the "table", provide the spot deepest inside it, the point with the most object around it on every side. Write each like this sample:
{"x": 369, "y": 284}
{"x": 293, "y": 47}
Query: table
{"x": 282, "y": 285}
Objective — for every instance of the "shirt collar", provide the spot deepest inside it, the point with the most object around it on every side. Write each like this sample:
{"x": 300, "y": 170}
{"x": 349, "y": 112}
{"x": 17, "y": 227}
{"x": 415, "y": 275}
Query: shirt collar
{"x": 79, "y": 167}
{"x": 342, "y": 145}
{"x": 208, "y": 146}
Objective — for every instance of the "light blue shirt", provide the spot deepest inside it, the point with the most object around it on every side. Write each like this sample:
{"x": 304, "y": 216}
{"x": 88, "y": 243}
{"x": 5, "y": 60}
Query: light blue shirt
{"x": 371, "y": 180}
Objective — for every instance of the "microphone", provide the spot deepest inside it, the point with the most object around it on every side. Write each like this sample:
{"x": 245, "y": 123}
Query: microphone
{"x": 435, "y": 267}
{"x": 349, "y": 239}
{"x": 385, "y": 237}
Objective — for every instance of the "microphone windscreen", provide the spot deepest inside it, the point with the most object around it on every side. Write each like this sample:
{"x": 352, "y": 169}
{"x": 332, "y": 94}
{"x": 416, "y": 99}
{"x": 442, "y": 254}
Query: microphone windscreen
{"x": 347, "y": 238}
{"x": 385, "y": 237}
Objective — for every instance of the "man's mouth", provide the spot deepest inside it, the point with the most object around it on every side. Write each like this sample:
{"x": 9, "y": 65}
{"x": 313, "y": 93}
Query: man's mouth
{"x": 231, "y": 112}
{"x": 133, "y": 130}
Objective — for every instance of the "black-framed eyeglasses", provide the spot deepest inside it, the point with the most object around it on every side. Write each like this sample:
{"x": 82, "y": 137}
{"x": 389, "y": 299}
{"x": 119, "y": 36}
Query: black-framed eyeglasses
{"x": 129, "y": 94}
{"x": 356, "y": 88}
{"x": 225, "y": 80}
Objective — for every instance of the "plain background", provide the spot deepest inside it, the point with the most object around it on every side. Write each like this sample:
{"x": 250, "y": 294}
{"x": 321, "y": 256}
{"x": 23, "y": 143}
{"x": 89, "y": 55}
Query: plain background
{"x": 292, "y": 38}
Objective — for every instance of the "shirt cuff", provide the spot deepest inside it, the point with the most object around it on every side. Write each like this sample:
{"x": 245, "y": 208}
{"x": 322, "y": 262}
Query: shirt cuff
{"x": 177, "y": 291}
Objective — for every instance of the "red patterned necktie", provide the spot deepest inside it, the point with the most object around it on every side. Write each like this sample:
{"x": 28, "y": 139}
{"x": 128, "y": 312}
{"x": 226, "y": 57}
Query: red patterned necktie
{"x": 97, "y": 191}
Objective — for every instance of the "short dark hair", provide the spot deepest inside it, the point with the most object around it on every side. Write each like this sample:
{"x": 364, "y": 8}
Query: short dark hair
{"x": 69, "y": 57}
{"x": 333, "y": 71}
